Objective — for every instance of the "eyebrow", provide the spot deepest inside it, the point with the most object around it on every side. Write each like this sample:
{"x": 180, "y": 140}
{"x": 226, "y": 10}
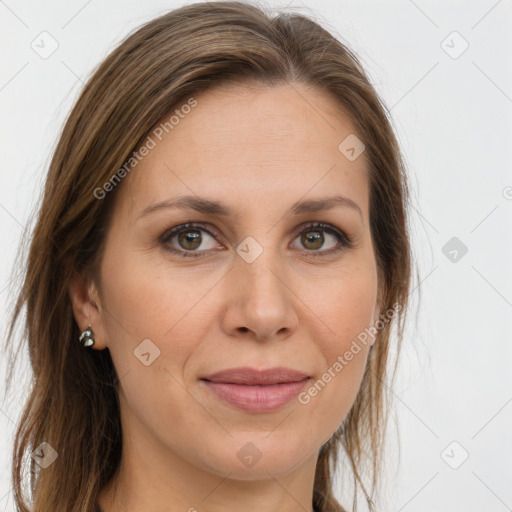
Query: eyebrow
{"x": 207, "y": 206}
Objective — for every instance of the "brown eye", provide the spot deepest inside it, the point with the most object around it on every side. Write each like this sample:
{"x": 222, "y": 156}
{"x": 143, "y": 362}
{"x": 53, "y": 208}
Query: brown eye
{"x": 313, "y": 239}
{"x": 187, "y": 239}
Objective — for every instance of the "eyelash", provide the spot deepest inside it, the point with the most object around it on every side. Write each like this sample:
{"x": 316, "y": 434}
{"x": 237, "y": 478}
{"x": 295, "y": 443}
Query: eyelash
{"x": 343, "y": 239}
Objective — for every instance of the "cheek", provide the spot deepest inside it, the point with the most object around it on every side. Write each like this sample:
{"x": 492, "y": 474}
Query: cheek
{"x": 344, "y": 356}
{"x": 149, "y": 299}
{"x": 152, "y": 311}
{"x": 345, "y": 306}
{"x": 147, "y": 302}
{"x": 351, "y": 313}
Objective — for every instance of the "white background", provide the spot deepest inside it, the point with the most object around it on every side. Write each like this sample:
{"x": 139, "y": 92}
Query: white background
{"x": 453, "y": 119}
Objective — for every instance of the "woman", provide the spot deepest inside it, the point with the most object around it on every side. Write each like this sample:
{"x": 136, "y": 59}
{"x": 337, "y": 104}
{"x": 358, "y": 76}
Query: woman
{"x": 220, "y": 254}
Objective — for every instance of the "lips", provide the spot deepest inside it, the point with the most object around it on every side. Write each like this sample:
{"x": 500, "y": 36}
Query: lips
{"x": 253, "y": 377}
{"x": 256, "y": 390}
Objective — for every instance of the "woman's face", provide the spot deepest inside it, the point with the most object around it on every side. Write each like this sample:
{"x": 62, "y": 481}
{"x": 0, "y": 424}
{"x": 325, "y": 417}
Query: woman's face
{"x": 241, "y": 287}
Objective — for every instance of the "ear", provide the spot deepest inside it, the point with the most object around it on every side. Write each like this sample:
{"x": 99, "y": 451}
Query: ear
{"x": 87, "y": 310}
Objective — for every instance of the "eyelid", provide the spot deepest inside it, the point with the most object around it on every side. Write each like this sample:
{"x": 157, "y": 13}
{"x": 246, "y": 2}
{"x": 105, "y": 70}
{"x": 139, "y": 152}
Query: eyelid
{"x": 343, "y": 239}
{"x": 330, "y": 228}
{"x": 169, "y": 233}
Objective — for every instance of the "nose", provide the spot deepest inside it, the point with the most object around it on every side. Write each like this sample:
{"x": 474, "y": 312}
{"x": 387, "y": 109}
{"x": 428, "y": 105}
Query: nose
{"x": 260, "y": 302}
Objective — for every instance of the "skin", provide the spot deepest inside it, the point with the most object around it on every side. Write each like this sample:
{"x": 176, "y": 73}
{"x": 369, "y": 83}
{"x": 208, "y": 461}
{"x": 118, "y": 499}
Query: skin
{"x": 258, "y": 150}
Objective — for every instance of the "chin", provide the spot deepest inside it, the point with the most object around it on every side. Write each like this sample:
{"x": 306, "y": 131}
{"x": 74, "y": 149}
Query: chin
{"x": 254, "y": 455}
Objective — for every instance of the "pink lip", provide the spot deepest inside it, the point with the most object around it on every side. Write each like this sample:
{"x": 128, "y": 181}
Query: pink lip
{"x": 257, "y": 390}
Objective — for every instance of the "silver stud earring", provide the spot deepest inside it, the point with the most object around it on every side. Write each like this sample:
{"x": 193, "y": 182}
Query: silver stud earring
{"x": 87, "y": 337}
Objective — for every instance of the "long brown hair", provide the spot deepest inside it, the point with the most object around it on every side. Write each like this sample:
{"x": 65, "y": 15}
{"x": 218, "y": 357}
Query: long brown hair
{"x": 73, "y": 403}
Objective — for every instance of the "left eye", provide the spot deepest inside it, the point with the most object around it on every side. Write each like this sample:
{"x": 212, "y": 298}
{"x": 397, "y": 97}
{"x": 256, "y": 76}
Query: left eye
{"x": 312, "y": 237}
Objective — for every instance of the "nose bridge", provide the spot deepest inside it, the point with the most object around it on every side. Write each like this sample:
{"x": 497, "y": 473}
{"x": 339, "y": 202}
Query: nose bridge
{"x": 259, "y": 267}
{"x": 263, "y": 300}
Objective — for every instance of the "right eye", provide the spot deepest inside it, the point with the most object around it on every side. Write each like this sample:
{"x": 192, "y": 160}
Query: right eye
{"x": 189, "y": 239}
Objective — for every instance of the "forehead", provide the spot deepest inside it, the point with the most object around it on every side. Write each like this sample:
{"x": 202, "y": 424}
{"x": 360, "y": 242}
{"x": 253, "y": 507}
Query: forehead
{"x": 246, "y": 146}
